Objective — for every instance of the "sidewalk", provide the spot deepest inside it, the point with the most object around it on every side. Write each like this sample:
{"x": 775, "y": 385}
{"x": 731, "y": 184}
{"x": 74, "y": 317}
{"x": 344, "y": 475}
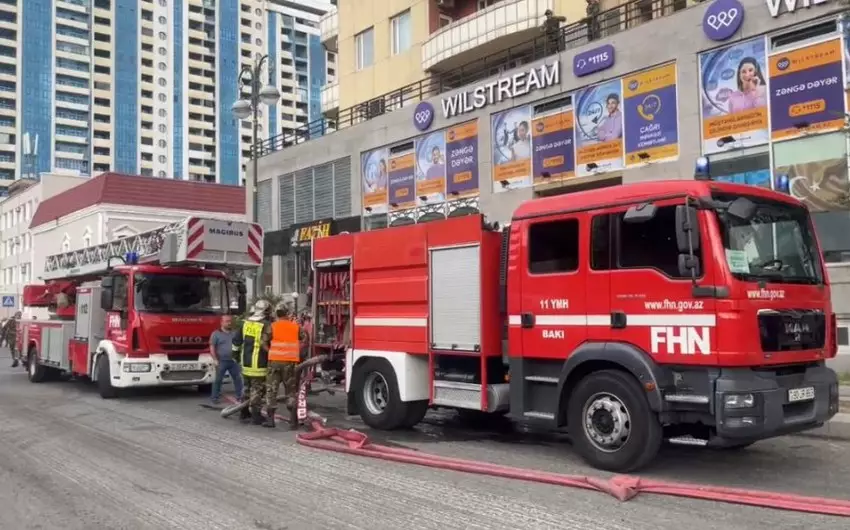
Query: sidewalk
{"x": 839, "y": 427}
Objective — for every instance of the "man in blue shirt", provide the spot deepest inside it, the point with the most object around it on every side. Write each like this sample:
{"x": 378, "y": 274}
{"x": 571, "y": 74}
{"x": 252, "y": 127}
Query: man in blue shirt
{"x": 221, "y": 348}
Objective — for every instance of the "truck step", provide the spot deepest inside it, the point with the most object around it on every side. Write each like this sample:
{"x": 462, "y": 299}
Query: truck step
{"x": 688, "y": 440}
{"x": 536, "y": 415}
{"x": 468, "y": 395}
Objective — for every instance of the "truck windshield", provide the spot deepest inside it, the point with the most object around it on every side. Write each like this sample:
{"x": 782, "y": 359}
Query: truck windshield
{"x": 777, "y": 245}
{"x": 174, "y": 293}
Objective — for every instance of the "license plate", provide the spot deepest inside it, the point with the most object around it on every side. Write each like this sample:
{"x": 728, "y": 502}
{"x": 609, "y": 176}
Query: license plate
{"x": 184, "y": 367}
{"x": 801, "y": 394}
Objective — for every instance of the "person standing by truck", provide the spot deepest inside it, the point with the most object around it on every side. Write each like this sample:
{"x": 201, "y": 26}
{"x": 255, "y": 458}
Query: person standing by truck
{"x": 284, "y": 355}
{"x": 9, "y": 334}
{"x": 221, "y": 349}
{"x": 252, "y": 343}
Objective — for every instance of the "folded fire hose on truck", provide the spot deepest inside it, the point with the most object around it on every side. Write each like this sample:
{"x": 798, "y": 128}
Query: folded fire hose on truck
{"x": 622, "y": 487}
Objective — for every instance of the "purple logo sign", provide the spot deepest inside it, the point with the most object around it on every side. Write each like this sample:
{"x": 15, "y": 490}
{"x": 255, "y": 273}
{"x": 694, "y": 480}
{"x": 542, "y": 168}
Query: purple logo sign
{"x": 722, "y": 19}
{"x": 595, "y": 60}
{"x": 423, "y": 116}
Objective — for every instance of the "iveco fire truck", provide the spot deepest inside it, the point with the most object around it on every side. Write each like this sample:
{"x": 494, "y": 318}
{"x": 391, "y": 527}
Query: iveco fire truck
{"x": 691, "y": 311}
{"x": 139, "y": 311}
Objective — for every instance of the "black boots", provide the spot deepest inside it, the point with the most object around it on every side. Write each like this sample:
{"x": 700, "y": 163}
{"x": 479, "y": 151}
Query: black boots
{"x": 14, "y": 363}
{"x": 269, "y": 418}
{"x": 256, "y": 416}
{"x": 245, "y": 414}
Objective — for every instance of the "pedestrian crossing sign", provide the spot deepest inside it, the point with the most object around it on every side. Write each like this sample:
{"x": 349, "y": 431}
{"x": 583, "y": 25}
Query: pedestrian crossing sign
{"x": 8, "y": 301}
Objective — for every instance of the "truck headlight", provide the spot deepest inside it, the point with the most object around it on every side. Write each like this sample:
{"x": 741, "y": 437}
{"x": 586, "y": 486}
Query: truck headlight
{"x": 738, "y": 401}
{"x": 137, "y": 367}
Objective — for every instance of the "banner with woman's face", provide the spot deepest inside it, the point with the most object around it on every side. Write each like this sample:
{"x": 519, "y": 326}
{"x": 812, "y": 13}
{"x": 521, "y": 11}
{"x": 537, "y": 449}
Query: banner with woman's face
{"x": 733, "y": 90}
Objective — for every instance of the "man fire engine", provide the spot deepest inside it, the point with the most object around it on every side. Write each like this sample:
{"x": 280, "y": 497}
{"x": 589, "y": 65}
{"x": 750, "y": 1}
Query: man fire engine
{"x": 139, "y": 311}
{"x": 691, "y": 311}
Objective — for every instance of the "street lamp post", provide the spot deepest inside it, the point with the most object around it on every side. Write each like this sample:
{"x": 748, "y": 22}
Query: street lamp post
{"x": 248, "y": 105}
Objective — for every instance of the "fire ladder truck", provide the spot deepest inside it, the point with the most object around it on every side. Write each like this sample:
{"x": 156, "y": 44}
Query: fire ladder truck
{"x": 139, "y": 311}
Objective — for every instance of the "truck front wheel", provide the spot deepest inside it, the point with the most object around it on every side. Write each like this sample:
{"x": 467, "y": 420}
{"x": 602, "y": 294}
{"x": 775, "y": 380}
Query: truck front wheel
{"x": 611, "y": 424}
{"x": 378, "y": 399}
{"x": 104, "y": 378}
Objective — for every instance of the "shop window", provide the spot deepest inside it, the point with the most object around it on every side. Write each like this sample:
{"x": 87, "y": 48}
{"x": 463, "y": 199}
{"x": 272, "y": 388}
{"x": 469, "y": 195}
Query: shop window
{"x": 375, "y": 222}
{"x": 814, "y": 170}
{"x": 288, "y": 274}
{"x": 553, "y": 247}
{"x": 746, "y": 166}
{"x": 268, "y": 272}
{"x": 651, "y": 244}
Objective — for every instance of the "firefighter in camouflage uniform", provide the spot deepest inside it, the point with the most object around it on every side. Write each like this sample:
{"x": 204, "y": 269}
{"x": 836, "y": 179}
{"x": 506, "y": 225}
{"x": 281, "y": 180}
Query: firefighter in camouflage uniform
{"x": 9, "y": 334}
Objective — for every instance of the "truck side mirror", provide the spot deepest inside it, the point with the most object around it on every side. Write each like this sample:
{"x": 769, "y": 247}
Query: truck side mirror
{"x": 106, "y": 294}
{"x": 241, "y": 304}
{"x": 687, "y": 229}
{"x": 107, "y": 282}
{"x": 689, "y": 266}
{"x": 640, "y": 213}
{"x": 742, "y": 208}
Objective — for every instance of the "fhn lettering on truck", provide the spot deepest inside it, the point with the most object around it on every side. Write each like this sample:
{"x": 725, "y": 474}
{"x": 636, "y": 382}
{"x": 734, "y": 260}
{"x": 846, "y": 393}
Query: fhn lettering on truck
{"x": 683, "y": 340}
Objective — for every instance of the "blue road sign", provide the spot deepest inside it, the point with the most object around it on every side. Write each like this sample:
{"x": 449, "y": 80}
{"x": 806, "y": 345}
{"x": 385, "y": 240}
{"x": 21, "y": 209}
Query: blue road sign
{"x": 8, "y": 301}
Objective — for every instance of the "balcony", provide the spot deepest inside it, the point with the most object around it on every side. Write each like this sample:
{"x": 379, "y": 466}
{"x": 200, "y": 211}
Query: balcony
{"x": 330, "y": 99}
{"x": 501, "y": 26}
{"x": 329, "y": 29}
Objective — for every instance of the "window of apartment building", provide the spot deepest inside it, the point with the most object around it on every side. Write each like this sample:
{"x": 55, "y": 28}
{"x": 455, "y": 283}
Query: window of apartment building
{"x": 364, "y": 49}
{"x": 814, "y": 170}
{"x": 400, "y": 33}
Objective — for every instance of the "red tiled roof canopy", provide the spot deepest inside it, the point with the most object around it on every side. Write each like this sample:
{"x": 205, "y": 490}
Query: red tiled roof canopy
{"x": 135, "y": 190}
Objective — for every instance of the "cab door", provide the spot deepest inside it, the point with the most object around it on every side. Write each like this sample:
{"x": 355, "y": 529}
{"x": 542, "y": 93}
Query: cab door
{"x": 553, "y": 313}
{"x": 653, "y": 303}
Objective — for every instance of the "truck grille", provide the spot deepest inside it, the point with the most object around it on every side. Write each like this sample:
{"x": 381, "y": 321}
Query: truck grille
{"x": 792, "y": 329}
{"x": 184, "y": 344}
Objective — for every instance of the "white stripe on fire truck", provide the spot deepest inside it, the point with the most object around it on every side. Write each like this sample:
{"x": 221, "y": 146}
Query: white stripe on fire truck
{"x": 394, "y": 322}
{"x": 676, "y": 319}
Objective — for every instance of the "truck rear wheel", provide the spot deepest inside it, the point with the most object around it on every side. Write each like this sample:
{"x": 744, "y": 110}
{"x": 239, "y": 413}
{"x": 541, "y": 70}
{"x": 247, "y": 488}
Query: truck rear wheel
{"x": 611, "y": 424}
{"x": 378, "y": 400}
{"x": 104, "y": 378}
{"x": 35, "y": 371}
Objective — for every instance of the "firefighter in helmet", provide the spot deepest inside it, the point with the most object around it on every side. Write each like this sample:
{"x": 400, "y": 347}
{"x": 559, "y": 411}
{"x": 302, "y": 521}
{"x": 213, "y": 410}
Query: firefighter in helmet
{"x": 284, "y": 356}
{"x": 251, "y": 344}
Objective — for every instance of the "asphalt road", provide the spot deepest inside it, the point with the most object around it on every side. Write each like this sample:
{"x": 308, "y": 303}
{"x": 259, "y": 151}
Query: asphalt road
{"x": 158, "y": 460}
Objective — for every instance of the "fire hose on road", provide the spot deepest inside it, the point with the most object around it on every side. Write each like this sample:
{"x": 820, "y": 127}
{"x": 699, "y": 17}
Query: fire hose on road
{"x": 621, "y": 487}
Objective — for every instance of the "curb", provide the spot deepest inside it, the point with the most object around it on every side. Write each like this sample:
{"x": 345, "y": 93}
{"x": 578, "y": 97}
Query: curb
{"x": 836, "y": 429}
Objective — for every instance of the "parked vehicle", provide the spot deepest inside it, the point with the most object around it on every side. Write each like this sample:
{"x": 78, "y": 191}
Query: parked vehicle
{"x": 691, "y": 311}
{"x": 139, "y": 311}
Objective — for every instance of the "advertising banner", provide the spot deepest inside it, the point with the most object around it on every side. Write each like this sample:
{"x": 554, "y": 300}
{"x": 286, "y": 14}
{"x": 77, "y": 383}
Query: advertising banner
{"x": 807, "y": 90}
{"x": 462, "y": 149}
{"x": 554, "y": 147}
{"x": 599, "y": 128}
{"x": 734, "y": 96}
{"x": 431, "y": 168}
{"x": 651, "y": 114}
{"x": 510, "y": 135}
{"x": 373, "y": 174}
{"x": 402, "y": 182}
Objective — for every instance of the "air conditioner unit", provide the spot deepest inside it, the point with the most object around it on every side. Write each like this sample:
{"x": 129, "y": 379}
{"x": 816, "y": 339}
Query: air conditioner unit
{"x": 448, "y": 4}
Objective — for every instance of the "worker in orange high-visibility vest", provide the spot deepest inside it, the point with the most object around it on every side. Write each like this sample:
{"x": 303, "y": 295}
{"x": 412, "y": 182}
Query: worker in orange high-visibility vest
{"x": 284, "y": 356}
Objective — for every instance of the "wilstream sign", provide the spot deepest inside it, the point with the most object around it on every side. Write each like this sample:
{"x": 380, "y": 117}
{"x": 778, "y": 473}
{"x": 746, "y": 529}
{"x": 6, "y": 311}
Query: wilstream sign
{"x": 775, "y": 6}
{"x": 502, "y": 89}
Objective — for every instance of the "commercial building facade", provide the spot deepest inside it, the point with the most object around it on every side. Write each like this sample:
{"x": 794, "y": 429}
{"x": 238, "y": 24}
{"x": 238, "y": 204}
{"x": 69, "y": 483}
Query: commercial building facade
{"x": 384, "y": 47}
{"x": 146, "y": 86}
{"x": 762, "y": 97}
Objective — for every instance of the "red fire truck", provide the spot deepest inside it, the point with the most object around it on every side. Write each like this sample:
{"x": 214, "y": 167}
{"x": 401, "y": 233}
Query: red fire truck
{"x": 691, "y": 311}
{"x": 139, "y": 311}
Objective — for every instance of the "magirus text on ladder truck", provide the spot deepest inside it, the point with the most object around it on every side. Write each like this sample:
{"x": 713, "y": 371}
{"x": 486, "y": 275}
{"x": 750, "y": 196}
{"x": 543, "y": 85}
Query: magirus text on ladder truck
{"x": 139, "y": 311}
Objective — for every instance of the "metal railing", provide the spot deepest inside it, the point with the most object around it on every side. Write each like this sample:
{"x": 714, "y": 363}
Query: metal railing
{"x": 589, "y": 29}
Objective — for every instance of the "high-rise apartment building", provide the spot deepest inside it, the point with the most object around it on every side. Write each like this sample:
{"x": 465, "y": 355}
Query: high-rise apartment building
{"x": 146, "y": 86}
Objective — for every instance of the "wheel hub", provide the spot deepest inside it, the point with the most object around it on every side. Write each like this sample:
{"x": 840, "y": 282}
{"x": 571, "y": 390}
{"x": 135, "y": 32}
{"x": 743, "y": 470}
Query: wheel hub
{"x": 607, "y": 423}
{"x": 376, "y": 393}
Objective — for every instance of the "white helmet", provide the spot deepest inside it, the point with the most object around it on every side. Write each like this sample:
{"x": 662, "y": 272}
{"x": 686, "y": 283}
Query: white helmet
{"x": 261, "y": 309}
